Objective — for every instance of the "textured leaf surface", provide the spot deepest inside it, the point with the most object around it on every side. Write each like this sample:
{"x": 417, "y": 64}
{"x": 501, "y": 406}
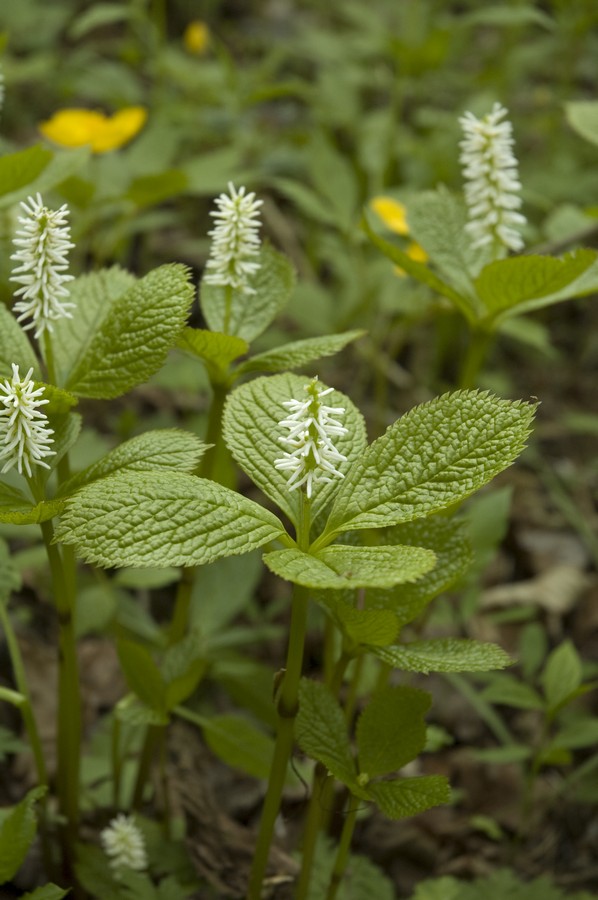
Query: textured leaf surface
{"x": 374, "y": 627}
{"x": 445, "y": 655}
{"x": 391, "y": 730}
{"x": 133, "y": 339}
{"x": 168, "y": 448}
{"x": 448, "y": 540}
{"x": 16, "y": 509}
{"x": 17, "y": 833}
{"x": 251, "y": 431}
{"x": 321, "y": 731}
{"x": 524, "y": 283}
{"x": 434, "y": 456}
{"x": 410, "y": 796}
{"x": 298, "y": 353}
{"x": 163, "y": 519}
{"x": 93, "y": 296}
{"x": 217, "y": 351}
{"x": 15, "y": 347}
{"x": 250, "y": 314}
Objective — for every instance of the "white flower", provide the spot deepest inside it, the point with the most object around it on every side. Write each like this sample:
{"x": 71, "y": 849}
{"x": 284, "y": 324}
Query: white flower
{"x": 492, "y": 186}
{"x": 234, "y": 240}
{"x": 24, "y": 432}
{"x": 313, "y": 458}
{"x": 43, "y": 243}
{"x": 123, "y": 842}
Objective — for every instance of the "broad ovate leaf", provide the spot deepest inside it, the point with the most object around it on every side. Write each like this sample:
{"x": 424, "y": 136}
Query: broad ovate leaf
{"x": 409, "y": 796}
{"x": 297, "y": 353}
{"x": 252, "y": 433}
{"x": 521, "y": 284}
{"x": 217, "y": 351}
{"x": 163, "y": 519}
{"x": 17, "y": 509}
{"x": 377, "y": 627}
{"x": 433, "y": 457}
{"x": 168, "y": 448}
{"x": 391, "y": 731}
{"x": 250, "y": 314}
{"x": 133, "y": 338}
{"x": 342, "y": 566}
{"x": 444, "y": 655}
{"x": 321, "y": 731}
{"x": 15, "y": 347}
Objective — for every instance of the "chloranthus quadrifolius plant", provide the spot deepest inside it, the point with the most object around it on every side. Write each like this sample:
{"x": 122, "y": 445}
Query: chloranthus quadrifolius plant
{"x": 467, "y": 241}
{"x": 329, "y": 484}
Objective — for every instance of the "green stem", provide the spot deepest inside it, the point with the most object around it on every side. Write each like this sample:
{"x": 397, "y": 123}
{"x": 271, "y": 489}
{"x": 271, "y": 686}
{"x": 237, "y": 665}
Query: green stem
{"x": 69, "y": 729}
{"x": 320, "y": 801}
{"x": 342, "y": 856}
{"x": 116, "y": 760}
{"x": 477, "y": 351}
{"x": 25, "y": 707}
{"x": 182, "y": 605}
{"x": 49, "y": 358}
{"x": 153, "y": 736}
{"x": 287, "y": 710}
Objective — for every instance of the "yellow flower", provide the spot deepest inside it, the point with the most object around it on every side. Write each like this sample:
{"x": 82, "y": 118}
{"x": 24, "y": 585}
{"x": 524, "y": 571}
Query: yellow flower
{"x": 415, "y": 252}
{"x": 196, "y": 37}
{"x": 80, "y": 127}
{"x": 392, "y": 213}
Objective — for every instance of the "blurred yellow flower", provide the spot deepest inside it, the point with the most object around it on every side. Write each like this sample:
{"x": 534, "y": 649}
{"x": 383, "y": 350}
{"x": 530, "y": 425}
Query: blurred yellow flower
{"x": 392, "y": 213}
{"x": 196, "y": 37}
{"x": 417, "y": 253}
{"x": 80, "y": 127}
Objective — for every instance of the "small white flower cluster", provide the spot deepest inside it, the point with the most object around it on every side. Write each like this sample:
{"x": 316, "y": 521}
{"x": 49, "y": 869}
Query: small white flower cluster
{"x": 234, "y": 240}
{"x": 43, "y": 243}
{"x": 124, "y": 844}
{"x": 492, "y": 180}
{"x": 313, "y": 458}
{"x": 24, "y": 432}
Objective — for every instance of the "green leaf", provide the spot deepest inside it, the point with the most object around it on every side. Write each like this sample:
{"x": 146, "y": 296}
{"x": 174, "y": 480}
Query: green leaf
{"x": 132, "y": 711}
{"x": 17, "y": 834}
{"x": 409, "y": 796}
{"x": 236, "y": 742}
{"x": 582, "y": 116}
{"x": 47, "y": 892}
{"x": 20, "y": 169}
{"x": 508, "y": 690}
{"x": 183, "y": 667}
{"x": 434, "y": 456}
{"x": 562, "y": 676}
{"x": 250, "y": 314}
{"x": 142, "y": 674}
{"x": 15, "y": 346}
{"x": 512, "y": 753}
{"x": 448, "y": 540}
{"x": 342, "y": 566}
{"x": 297, "y": 353}
{"x": 67, "y": 429}
{"x": 418, "y": 270}
{"x": 10, "y": 578}
{"x": 59, "y": 401}
{"x": 93, "y": 296}
{"x": 580, "y": 732}
{"x": 444, "y": 655}
{"x": 61, "y": 165}
{"x": 163, "y": 519}
{"x": 437, "y": 221}
{"x": 524, "y": 283}
{"x": 149, "y": 190}
{"x": 391, "y": 730}
{"x": 372, "y": 627}
{"x": 306, "y": 200}
{"x": 96, "y": 16}
{"x": 168, "y": 448}
{"x": 132, "y": 340}
{"x": 334, "y": 179}
{"x": 16, "y": 509}
{"x": 321, "y": 731}
{"x": 217, "y": 351}
{"x": 251, "y": 431}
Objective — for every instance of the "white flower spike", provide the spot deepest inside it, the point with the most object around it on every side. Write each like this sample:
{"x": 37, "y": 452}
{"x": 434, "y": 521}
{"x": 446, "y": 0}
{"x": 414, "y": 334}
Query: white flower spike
{"x": 313, "y": 458}
{"x": 492, "y": 181}
{"x": 24, "y": 432}
{"x": 124, "y": 844}
{"x": 43, "y": 244}
{"x": 235, "y": 240}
